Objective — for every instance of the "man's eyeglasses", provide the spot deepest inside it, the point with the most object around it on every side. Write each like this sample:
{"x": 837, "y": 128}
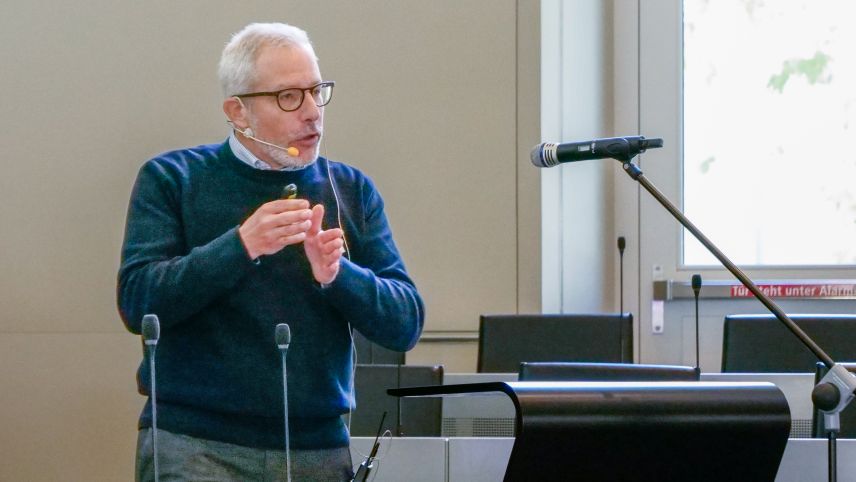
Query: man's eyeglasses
{"x": 291, "y": 99}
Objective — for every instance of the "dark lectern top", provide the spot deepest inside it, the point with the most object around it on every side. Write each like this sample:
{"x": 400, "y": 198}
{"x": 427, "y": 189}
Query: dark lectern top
{"x": 639, "y": 431}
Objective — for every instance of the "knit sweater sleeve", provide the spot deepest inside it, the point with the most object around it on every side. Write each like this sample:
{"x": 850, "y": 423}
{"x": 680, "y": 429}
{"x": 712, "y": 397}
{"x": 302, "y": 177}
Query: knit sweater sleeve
{"x": 159, "y": 273}
{"x": 373, "y": 290}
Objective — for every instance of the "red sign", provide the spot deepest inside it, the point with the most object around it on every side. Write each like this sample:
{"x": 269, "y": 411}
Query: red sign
{"x": 799, "y": 291}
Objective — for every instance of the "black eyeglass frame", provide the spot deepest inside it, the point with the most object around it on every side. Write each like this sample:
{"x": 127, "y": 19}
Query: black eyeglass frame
{"x": 326, "y": 83}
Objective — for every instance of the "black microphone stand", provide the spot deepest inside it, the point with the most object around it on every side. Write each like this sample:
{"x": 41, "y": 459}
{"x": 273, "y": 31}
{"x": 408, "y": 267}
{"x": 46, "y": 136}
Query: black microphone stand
{"x": 621, "y": 244}
{"x": 282, "y": 336}
{"x": 154, "y": 392}
{"x": 835, "y": 390}
{"x": 696, "y": 284}
{"x": 150, "y": 329}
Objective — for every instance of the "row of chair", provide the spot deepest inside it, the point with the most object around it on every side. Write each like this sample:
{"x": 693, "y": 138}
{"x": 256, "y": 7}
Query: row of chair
{"x": 751, "y": 343}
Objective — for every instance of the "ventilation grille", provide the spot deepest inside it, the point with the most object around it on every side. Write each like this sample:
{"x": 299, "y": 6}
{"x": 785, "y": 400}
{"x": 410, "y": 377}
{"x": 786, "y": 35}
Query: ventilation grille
{"x": 800, "y": 428}
{"x": 478, "y": 427}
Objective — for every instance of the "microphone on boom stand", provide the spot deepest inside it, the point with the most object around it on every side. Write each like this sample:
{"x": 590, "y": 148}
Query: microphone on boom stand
{"x": 836, "y": 389}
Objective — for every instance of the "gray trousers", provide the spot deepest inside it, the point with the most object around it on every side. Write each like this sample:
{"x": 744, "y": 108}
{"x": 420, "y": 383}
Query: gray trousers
{"x": 185, "y": 458}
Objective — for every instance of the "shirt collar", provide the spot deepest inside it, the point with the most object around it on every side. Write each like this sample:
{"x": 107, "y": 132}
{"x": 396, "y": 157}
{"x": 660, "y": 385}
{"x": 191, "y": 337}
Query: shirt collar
{"x": 244, "y": 154}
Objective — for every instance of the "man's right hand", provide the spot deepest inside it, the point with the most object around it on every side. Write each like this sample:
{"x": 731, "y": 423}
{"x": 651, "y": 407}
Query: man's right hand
{"x": 275, "y": 225}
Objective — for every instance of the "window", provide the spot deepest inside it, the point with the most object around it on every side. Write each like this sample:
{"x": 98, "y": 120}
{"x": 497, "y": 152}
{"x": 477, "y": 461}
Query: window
{"x": 769, "y": 111}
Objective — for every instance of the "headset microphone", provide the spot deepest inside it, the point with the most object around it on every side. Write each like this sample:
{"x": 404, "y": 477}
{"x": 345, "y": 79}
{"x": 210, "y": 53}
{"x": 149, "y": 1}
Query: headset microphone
{"x": 249, "y": 134}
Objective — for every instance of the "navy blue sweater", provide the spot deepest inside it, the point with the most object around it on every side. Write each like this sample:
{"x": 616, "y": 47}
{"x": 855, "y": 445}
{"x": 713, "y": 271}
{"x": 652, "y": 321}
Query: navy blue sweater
{"x": 218, "y": 367}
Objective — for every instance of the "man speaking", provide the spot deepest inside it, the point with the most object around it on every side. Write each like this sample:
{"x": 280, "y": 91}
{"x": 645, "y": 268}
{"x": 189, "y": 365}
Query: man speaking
{"x": 215, "y": 249}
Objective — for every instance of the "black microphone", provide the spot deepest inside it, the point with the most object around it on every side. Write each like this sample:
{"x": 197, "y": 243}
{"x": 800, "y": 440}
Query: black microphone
{"x": 550, "y": 154}
{"x": 696, "y": 283}
{"x": 366, "y": 467}
{"x": 622, "y": 243}
{"x": 282, "y": 335}
{"x": 151, "y": 330}
{"x": 151, "y": 335}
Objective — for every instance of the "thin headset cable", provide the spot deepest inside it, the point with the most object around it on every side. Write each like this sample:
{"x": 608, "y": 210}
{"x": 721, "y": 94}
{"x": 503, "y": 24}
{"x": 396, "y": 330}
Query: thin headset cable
{"x": 338, "y": 205}
{"x": 354, "y": 360}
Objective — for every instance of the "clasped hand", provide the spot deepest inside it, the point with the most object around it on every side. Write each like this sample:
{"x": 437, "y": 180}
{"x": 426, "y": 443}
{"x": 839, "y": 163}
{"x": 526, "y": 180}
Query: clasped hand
{"x": 283, "y": 222}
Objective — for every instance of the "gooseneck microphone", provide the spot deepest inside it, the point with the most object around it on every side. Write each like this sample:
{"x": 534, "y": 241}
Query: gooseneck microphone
{"x": 151, "y": 334}
{"x": 550, "y": 154}
{"x": 282, "y": 335}
{"x": 366, "y": 467}
{"x": 696, "y": 283}
{"x": 622, "y": 243}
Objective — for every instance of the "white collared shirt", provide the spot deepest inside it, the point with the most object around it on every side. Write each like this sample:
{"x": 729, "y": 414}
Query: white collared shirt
{"x": 244, "y": 154}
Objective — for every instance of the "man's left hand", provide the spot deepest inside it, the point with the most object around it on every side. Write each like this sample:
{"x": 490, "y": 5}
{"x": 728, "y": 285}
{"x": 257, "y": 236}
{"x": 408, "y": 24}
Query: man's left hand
{"x": 323, "y": 248}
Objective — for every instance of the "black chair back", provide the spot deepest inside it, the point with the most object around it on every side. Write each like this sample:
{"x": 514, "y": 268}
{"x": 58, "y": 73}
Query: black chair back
{"x": 411, "y": 417}
{"x": 506, "y": 341}
{"x": 762, "y": 344}
{"x": 370, "y": 353}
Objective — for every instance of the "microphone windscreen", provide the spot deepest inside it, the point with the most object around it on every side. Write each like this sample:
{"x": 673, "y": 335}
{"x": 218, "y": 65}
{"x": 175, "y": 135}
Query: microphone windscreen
{"x": 544, "y": 155}
{"x": 535, "y": 155}
{"x": 151, "y": 327}
{"x": 621, "y": 243}
{"x": 696, "y": 282}
{"x": 282, "y": 335}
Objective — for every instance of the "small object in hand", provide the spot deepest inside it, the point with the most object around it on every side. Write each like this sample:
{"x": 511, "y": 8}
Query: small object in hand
{"x": 289, "y": 192}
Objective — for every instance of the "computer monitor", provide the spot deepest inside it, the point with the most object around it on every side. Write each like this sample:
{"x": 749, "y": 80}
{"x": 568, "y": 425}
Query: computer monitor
{"x": 763, "y": 344}
{"x": 506, "y": 341}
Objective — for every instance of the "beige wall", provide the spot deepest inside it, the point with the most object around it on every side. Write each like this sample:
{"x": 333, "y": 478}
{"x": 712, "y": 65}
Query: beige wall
{"x": 437, "y": 101}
